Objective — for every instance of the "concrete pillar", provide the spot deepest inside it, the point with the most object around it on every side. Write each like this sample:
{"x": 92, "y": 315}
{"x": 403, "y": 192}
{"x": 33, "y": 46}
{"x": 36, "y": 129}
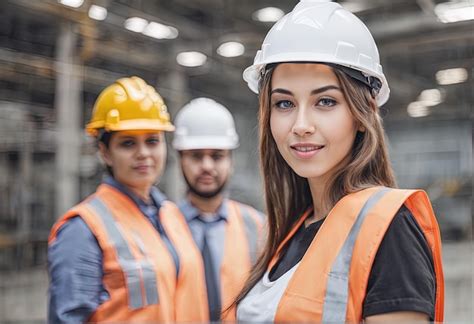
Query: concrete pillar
{"x": 25, "y": 181}
{"x": 69, "y": 118}
{"x": 176, "y": 97}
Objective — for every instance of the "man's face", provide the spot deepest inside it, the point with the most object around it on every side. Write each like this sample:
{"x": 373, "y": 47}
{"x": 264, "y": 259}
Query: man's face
{"x": 206, "y": 171}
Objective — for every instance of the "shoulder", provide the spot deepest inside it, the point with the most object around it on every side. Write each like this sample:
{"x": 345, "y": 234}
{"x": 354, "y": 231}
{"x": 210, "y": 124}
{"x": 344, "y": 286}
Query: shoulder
{"x": 404, "y": 226}
{"x": 249, "y": 211}
{"x": 73, "y": 239}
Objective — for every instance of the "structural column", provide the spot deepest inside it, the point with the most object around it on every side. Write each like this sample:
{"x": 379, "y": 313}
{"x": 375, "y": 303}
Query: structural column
{"x": 176, "y": 96}
{"x": 68, "y": 105}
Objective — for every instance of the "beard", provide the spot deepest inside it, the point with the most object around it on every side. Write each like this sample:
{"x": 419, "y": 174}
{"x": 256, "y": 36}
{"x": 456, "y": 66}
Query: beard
{"x": 204, "y": 194}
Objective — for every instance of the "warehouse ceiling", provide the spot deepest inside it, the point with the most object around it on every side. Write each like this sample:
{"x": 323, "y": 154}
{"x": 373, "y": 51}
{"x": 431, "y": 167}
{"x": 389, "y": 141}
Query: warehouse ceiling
{"x": 413, "y": 43}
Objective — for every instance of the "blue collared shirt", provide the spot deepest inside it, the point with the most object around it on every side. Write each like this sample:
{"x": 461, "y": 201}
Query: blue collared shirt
{"x": 214, "y": 224}
{"x": 75, "y": 263}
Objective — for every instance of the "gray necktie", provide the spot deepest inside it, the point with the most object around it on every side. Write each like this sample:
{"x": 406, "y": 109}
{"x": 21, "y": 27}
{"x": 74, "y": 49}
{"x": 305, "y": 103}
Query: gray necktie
{"x": 213, "y": 293}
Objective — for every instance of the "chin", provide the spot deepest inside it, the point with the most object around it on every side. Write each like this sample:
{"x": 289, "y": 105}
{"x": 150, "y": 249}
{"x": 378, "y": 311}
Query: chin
{"x": 308, "y": 171}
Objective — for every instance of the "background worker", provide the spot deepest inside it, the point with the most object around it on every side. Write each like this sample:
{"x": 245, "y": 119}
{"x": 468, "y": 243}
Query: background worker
{"x": 227, "y": 232}
{"x": 125, "y": 254}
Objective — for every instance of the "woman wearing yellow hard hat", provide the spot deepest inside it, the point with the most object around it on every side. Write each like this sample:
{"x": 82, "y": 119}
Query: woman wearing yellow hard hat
{"x": 125, "y": 254}
{"x": 344, "y": 245}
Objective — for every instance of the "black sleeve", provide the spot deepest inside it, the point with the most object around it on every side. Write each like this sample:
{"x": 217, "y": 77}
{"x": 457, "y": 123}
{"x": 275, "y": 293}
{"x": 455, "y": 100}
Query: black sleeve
{"x": 402, "y": 276}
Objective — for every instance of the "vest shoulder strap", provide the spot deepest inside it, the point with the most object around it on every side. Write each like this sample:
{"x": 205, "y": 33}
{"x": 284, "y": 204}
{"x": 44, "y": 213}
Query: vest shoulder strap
{"x": 253, "y": 227}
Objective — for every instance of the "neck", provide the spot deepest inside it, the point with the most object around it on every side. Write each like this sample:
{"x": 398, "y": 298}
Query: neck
{"x": 205, "y": 205}
{"x": 320, "y": 200}
{"x": 142, "y": 193}
{"x": 319, "y": 193}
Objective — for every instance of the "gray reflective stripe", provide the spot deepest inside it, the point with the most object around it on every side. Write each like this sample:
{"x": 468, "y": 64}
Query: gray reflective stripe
{"x": 129, "y": 265}
{"x": 335, "y": 300}
{"x": 251, "y": 231}
{"x": 148, "y": 273}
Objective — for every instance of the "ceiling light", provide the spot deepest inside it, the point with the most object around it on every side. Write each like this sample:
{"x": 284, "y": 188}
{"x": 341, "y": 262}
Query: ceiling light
{"x": 268, "y": 14}
{"x": 451, "y": 76}
{"x": 417, "y": 109}
{"x": 454, "y": 11}
{"x": 191, "y": 59}
{"x": 430, "y": 97}
{"x": 97, "y": 12}
{"x": 136, "y": 24}
{"x": 160, "y": 31}
{"x": 71, "y": 3}
{"x": 231, "y": 49}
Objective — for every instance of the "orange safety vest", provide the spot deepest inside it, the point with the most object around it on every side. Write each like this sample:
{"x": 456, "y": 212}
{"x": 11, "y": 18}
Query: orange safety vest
{"x": 244, "y": 229}
{"x": 139, "y": 271}
{"x": 330, "y": 283}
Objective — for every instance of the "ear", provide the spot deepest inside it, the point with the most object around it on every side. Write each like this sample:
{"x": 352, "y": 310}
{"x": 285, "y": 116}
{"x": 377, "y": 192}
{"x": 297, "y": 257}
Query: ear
{"x": 105, "y": 154}
{"x": 361, "y": 129}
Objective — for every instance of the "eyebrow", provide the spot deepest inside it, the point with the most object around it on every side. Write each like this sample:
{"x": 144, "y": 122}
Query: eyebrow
{"x": 313, "y": 92}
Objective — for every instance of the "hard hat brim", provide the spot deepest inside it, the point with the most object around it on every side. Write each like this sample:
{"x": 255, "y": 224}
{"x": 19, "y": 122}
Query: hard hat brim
{"x": 204, "y": 142}
{"x": 131, "y": 125}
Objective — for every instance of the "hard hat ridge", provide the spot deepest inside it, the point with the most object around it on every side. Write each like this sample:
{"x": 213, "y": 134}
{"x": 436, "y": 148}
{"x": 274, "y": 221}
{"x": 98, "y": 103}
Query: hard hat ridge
{"x": 129, "y": 104}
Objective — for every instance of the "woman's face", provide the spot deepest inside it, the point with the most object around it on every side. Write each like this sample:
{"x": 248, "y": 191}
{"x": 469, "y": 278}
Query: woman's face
{"x": 136, "y": 157}
{"x": 310, "y": 119}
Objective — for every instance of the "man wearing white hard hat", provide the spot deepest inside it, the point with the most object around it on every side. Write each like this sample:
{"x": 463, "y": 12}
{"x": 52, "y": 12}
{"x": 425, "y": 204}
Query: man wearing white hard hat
{"x": 227, "y": 232}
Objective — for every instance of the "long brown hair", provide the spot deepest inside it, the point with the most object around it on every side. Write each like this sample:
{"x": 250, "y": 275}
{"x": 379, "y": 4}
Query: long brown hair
{"x": 288, "y": 195}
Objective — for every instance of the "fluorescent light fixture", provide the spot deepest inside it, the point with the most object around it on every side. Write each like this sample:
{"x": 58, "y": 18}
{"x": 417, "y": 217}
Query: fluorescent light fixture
{"x": 97, "y": 12}
{"x": 430, "y": 97}
{"x": 451, "y": 76}
{"x": 71, "y": 3}
{"x": 191, "y": 59}
{"x": 454, "y": 11}
{"x": 417, "y": 109}
{"x": 160, "y": 31}
{"x": 268, "y": 14}
{"x": 136, "y": 24}
{"x": 231, "y": 49}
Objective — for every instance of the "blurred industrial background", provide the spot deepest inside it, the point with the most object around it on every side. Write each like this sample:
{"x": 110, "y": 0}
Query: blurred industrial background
{"x": 57, "y": 55}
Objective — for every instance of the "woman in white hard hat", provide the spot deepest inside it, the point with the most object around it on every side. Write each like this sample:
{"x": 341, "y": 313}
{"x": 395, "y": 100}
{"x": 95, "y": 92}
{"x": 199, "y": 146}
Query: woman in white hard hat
{"x": 125, "y": 254}
{"x": 344, "y": 246}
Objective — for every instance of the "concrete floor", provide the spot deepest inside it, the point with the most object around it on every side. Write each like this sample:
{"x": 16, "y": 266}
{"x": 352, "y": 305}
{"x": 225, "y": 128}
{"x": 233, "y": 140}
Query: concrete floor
{"x": 23, "y": 295}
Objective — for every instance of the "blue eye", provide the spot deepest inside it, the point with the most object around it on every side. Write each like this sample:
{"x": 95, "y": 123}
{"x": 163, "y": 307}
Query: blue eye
{"x": 326, "y": 102}
{"x": 284, "y": 104}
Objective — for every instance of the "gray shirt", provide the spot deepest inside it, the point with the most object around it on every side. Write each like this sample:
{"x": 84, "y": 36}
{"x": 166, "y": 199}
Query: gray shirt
{"x": 214, "y": 224}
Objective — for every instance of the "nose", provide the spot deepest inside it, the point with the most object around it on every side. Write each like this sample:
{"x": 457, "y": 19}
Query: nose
{"x": 207, "y": 163}
{"x": 303, "y": 126}
{"x": 143, "y": 150}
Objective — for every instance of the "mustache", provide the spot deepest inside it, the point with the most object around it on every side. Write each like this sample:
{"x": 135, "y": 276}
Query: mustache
{"x": 207, "y": 174}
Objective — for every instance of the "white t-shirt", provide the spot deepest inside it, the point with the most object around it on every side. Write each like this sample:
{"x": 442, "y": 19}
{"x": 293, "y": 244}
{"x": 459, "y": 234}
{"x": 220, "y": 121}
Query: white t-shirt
{"x": 261, "y": 303}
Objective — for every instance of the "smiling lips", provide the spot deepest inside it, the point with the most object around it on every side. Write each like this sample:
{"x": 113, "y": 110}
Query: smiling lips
{"x": 306, "y": 150}
{"x": 142, "y": 168}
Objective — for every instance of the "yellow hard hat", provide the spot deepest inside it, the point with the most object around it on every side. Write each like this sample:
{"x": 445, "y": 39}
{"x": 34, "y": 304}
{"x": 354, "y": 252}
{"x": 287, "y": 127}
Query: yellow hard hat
{"x": 129, "y": 104}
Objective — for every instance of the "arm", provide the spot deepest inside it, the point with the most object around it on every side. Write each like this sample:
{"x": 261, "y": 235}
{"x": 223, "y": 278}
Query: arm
{"x": 398, "y": 317}
{"x": 75, "y": 271}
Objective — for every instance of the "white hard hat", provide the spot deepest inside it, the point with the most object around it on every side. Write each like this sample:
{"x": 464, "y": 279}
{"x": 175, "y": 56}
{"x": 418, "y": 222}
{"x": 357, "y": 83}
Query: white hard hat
{"x": 321, "y": 31}
{"x": 204, "y": 124}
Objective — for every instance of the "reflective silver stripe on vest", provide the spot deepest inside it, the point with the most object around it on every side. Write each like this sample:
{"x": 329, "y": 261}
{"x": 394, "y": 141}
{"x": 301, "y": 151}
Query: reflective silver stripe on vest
{"x": 251, "y": 231}
{"x": 336, "y": 298}
{"x": 148, "y": 273}
{"x": 130, "y": 266}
